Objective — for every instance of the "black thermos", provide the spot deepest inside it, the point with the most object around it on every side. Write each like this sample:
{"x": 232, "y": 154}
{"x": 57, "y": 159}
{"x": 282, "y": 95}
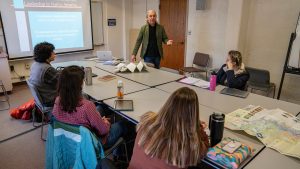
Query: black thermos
{"x": 216, "y": 126}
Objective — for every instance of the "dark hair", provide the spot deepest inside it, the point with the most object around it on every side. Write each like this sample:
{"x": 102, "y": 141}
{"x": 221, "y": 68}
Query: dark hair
{"x": 43, "y": 51}
{"x": 236, "y": 57}
{"x": 70, "y": 87}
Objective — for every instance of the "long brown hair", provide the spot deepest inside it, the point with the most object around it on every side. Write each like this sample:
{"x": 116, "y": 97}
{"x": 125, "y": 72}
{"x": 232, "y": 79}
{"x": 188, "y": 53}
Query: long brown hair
{"x": 70, "y": 87}
{"x": 173, "y": 134}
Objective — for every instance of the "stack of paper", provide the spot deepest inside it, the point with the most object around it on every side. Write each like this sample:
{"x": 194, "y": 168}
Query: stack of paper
{"x": 196, "y": 82}
{"x": 130, "y": 67}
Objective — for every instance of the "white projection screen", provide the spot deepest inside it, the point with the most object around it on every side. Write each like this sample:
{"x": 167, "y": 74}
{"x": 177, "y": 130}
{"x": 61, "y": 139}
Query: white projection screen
{"x": 64, "y": 23}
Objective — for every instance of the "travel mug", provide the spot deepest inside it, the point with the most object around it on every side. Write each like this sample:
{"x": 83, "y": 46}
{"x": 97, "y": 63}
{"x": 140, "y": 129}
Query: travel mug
{"x": 88, "y": 76}
{"x": 216, "y": 126}
{"x": 213, "y": 81}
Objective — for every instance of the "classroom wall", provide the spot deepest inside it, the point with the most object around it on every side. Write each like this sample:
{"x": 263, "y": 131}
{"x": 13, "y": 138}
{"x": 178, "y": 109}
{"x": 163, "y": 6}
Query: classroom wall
{"x": 270, "y": 24}
{"x": 140, "y": 8}
{"x": 207, "y": 31}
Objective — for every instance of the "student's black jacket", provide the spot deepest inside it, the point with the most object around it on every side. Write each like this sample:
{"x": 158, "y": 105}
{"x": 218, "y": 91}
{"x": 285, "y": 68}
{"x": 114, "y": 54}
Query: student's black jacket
{"x": 238, "y": 81}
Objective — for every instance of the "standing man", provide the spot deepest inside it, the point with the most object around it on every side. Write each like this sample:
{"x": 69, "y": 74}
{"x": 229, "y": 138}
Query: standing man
{"x": 151, "y": 35}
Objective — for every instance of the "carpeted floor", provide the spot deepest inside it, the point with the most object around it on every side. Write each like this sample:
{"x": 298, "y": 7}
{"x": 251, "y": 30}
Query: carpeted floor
{"x": 9, "y": 126}
{"x": 26, "y": 151}
{"x": 19, "y": 151}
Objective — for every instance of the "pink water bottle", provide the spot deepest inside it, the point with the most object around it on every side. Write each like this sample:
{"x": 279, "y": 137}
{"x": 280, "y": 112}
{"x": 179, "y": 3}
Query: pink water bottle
{"x": 213, "y": 81}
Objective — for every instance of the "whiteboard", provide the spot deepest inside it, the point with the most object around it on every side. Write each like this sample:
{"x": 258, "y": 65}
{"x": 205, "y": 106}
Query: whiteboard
{"x": 294, "y": 60}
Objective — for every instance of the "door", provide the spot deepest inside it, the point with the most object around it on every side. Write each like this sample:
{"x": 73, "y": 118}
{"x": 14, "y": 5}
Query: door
{"x": 173, "y": 18}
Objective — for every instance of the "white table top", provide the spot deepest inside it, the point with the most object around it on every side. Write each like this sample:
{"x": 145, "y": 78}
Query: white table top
{"x": 152, "y": 77}
{"x": 227, "y": 104}
{"x": 101, "y": 90}
{"x": 271, "y": 159}
{"x": 153, "y": 99}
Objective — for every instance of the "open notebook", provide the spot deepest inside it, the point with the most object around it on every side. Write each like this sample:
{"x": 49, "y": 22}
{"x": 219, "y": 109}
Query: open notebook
{"x": 196, "y": 82}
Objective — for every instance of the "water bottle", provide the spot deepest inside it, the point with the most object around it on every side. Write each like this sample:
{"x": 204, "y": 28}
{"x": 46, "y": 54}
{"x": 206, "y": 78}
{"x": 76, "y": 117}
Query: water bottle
{"x": 88, "y": 76}
{"x": 120, "y": 92}
{"x": 216, "y": 126}
{"x": 213, "y": 81}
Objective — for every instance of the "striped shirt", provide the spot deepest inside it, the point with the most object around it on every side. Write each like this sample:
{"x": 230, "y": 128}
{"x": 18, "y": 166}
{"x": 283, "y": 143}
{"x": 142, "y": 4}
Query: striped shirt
{"x": 86, "y": 115}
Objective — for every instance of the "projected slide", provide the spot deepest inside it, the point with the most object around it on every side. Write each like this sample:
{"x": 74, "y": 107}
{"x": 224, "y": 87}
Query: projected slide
{"x": 64, "y": 29}
{"x": 64, "y": 23}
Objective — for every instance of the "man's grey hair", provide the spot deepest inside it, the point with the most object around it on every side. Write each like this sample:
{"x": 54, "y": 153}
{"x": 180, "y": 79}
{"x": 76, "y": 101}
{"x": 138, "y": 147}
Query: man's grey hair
{"x": 151, "y": 10}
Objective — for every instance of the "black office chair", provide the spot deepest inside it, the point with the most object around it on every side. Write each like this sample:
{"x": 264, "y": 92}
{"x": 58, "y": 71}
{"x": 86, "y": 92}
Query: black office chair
{"x": 201, "y": 60}
{"x": 260, "y": 80}
{"x": 38, "y": 105}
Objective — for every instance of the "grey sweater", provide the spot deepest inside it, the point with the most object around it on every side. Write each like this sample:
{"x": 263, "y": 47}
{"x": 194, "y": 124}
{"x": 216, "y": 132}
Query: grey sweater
{"x": 44, "y": 77}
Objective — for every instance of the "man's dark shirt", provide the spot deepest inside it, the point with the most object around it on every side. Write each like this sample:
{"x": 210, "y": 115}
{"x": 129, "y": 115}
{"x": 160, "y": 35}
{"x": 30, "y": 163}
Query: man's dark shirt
{"x": 152, "y": 49}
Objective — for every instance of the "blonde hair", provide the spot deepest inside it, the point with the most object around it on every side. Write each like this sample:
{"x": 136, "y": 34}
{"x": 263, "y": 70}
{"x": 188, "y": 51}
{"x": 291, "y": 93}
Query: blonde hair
{"x": 174, "y": 133}
{"x": 236, "y": 57}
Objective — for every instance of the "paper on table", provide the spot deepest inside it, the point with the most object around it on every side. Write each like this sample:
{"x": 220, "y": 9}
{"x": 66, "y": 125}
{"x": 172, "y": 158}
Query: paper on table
{"x": 106, "y": 78}
{"x": 196, "y": 82}
{"x": 120, "y": 65}
{"x": 189, "y": 80}
{"x": 123, "y": 69}
{"x": 131, "y": 67}
{"x": 140, "y": 66}
{"x": 202, "y": 84}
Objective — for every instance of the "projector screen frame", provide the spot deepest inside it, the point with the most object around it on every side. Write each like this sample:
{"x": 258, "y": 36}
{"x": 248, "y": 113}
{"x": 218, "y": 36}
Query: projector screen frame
{"x": 58, "y": 53}
{"x": 3, "y": 33}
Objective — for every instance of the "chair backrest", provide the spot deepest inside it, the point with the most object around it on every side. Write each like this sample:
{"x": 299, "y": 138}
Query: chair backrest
{"x": 36, "y": 96}
{"x": 72, "y": 146}
{"x": 201, "y": 59}
{"x": 258, "y": 76}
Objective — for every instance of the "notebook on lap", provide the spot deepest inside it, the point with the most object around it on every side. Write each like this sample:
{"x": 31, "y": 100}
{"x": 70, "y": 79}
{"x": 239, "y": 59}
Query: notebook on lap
{"x": 234, "y": 92}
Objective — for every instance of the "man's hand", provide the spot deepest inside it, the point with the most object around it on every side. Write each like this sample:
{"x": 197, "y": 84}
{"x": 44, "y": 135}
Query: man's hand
{"x": 170, "y": 42}
{"x": 133, "y": 58}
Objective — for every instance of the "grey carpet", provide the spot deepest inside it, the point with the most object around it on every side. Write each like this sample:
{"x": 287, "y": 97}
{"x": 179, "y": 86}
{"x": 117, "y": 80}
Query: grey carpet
{"x": 9, "y": 126}
{"x": 26, "y": 151}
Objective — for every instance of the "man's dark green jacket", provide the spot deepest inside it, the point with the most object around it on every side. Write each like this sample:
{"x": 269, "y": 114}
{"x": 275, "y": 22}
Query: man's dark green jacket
{"x": 143, "y": 38}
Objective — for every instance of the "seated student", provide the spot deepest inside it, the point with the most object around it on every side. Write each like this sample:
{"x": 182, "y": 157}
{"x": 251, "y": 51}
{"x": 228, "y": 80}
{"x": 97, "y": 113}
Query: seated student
{"x": 233, "y": 73}
{"x": 172, "y": 138}
{"x": 42, "y": 74}
{"x": 71, "y": 108}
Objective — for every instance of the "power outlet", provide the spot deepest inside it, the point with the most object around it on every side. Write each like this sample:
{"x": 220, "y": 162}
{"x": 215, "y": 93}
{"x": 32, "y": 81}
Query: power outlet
{"x": 27, "y": 66}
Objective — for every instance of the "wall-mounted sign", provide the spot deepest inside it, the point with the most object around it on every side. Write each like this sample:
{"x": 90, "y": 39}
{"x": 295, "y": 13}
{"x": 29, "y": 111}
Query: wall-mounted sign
{"x": 112, "y": 22}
